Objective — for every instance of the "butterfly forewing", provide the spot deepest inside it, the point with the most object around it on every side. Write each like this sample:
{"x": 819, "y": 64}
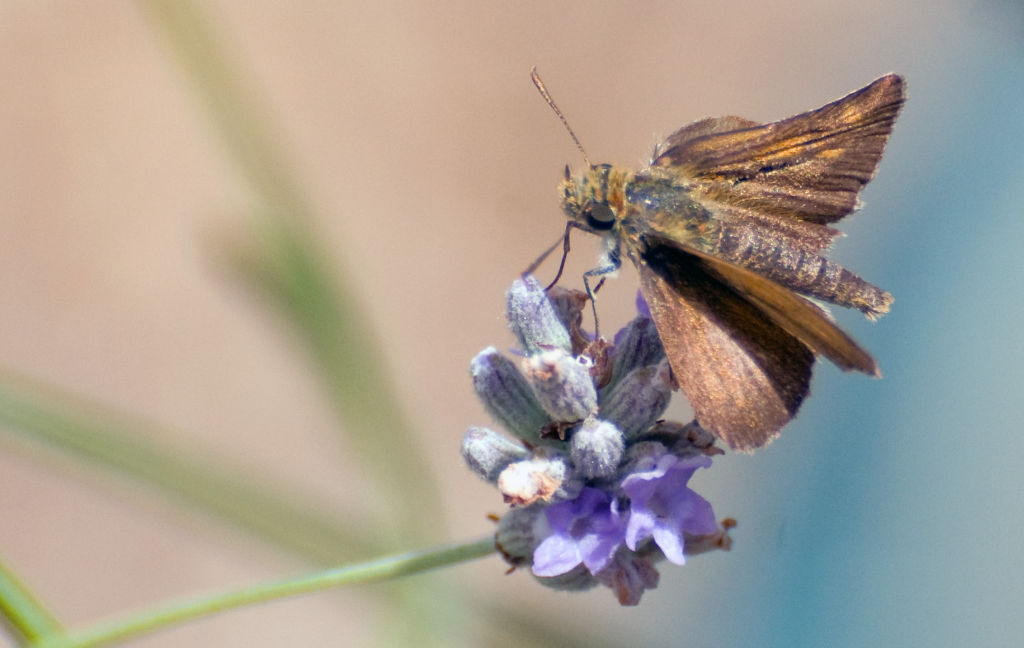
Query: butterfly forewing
{"x": 809, "y": 167}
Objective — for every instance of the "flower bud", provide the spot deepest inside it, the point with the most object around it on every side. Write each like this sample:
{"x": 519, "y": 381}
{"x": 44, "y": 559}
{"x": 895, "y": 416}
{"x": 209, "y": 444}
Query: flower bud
{"x": 518, "y": 533}
{"x": 562, "y": 384}
{"x": 638, "y": 399}
{"x": 506, "y": 395}
{"x": 533, "y": 319}
{"x": 596, "y": 448}
{"x": 487, "y": 452}
{"x": 542, "y": 477}
{"x": 636, "y": 345}
{"x": 569, "y": 306}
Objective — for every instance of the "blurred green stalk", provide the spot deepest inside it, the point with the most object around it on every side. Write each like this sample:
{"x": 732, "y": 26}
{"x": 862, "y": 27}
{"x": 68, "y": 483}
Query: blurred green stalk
{"x": 112, "y": 443}
{"x": 293, "y": 270}
{"x": 21, "y": 612}
{"x": 378, "y": 570}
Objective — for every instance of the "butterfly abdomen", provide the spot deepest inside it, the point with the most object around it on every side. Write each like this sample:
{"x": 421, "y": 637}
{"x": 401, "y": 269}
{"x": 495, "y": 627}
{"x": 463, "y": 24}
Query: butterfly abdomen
{"x": 798, "y": 269}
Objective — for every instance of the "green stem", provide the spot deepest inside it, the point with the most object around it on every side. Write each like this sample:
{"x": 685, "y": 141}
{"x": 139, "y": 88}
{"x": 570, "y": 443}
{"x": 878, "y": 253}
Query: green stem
{"x": 173, "y": 613}
{"x": 21, "y": 612}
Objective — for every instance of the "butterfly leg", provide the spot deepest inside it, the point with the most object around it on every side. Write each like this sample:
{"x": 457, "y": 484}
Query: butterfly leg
{"x": 611, "y": 267}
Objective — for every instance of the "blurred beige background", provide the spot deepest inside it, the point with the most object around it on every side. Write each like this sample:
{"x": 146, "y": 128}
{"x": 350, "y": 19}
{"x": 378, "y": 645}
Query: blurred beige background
{"x": 416, "y": 131}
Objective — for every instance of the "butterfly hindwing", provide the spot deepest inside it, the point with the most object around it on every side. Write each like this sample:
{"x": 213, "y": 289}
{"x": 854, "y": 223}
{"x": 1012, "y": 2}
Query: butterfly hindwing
{"x": 744, "y": 375}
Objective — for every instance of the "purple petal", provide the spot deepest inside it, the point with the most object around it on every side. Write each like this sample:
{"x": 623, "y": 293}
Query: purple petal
{"x": 664, "y": 508}
{"x": 598, "y": 549}
{"x": 701, "y": 518}
{"x": 582, "y": 530}
{"x": 671, "y": 543}
{"x": 641, "y": 525}
{"x": 555, "y": 555}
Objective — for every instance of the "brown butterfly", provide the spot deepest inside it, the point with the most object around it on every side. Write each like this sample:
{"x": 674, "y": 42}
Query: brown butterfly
{"x": 728, "y": 227}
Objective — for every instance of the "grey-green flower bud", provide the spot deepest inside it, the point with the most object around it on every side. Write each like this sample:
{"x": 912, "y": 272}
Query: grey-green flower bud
{"x": 533, "y": 319}
{"x": 636, "y": 345}
{"x": 638, "y": 400}
{"x": 641, "y": 453}
{"x": 518, "y": 533}
{"x": 691, "y": 439}
{"x": 487, "y": 452}
{"x": 596, "y": 448}
{"x": 562, "y": 384}
{"x": 506, "y": 395}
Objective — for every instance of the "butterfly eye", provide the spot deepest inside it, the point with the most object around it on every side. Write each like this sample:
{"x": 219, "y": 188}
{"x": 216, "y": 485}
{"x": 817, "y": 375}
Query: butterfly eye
{"x": 599, "y": 216}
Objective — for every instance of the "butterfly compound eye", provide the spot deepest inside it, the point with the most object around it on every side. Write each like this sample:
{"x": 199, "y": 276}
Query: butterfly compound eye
{"x": 599, "y": 216}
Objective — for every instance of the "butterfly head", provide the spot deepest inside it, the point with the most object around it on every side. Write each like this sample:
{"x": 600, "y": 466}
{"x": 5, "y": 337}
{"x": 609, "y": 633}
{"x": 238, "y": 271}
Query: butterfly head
{"x": 594, "y": 199}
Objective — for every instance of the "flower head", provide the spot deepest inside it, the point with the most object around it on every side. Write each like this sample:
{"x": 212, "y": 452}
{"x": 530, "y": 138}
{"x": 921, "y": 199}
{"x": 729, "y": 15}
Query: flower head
{"x": 598, "y": 484}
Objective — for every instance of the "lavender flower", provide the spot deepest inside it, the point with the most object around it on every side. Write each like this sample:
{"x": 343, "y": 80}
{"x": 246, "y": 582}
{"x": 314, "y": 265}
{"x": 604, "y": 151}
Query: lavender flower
{"x": 664, "y": 508}
{"x": 598, "y": 484}
{"x": 584, "y": 530}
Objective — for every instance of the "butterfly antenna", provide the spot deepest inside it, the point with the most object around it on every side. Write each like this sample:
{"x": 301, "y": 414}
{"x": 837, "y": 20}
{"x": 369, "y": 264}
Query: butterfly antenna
{"x": 551, "y": 102}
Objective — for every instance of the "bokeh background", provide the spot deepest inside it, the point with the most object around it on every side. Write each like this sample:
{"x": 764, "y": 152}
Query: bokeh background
{"x": 889, "y": 513}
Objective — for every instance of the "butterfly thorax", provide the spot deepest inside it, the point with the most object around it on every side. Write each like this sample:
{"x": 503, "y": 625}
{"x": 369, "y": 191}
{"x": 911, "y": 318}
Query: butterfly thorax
{"x": 623, "y": 206}
{"x": 662, "y": 203}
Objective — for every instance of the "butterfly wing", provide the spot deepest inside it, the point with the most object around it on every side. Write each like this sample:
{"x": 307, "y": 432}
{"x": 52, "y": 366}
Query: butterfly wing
{"x": 741, "y": 346}
{"x": 744, "y": 375}
{"x": 799, "y": 317}
{"x": 809, "y": 167}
